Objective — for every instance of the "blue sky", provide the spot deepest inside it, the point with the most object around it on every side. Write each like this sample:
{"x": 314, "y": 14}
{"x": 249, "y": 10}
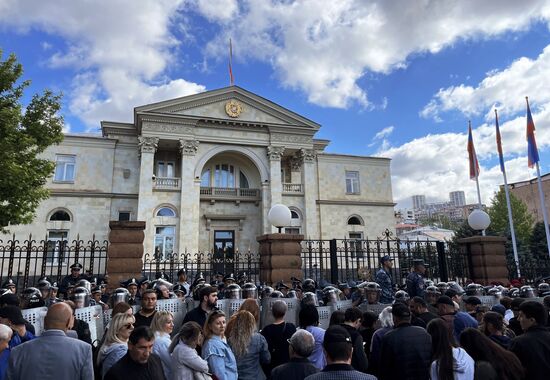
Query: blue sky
{"x": 381, "y": 78}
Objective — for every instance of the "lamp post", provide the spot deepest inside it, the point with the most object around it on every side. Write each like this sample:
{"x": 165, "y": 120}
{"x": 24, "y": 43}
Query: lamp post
{"x": 279, "y": 216}
{"x": 479, "y": 220}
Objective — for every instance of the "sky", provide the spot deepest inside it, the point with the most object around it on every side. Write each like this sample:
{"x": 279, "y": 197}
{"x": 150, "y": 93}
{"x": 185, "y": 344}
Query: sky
{"x": 384, "y": 78}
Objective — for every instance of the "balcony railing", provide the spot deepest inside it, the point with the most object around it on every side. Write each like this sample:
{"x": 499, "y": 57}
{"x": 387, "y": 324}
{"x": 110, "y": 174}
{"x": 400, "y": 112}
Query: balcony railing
{"x": 294, "y": 188}
{"x": 166, "y": 183}
{"x": 230, "y": 193}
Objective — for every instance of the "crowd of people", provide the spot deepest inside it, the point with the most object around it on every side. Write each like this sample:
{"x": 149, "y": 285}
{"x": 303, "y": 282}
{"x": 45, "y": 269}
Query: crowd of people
{"x": 425, "y": 331}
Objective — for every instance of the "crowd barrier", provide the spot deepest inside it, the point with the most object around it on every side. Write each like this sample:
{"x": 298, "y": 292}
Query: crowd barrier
{"x": 98, "y": 319}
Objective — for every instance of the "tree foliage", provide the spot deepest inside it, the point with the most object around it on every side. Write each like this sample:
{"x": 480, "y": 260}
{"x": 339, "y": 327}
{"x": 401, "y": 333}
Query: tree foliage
{"x": 25, "y": 132}
{"x": 537, "y": 243}
{"x": 498, "y": 211}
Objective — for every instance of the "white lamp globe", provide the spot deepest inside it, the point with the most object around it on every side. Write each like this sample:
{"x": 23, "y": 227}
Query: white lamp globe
{"x": 279, "y": 216}
{"x": 479, "y": 220}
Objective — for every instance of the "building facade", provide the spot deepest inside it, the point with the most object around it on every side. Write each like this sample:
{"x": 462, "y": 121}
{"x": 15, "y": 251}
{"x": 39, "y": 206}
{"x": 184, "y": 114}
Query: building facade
{"x": 203, "y": 172}
{"x": 528, "y": 192}
{"x": 457, "y": 198}
{"x": 419, "y": 201}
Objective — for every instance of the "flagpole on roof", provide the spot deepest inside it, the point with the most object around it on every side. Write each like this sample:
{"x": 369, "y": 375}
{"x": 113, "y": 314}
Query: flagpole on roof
{"x": 231, "y": 78}
{"x": 507, "y": 192}
{"x": 474, "y": 167}
{"x": 533, "y": 160}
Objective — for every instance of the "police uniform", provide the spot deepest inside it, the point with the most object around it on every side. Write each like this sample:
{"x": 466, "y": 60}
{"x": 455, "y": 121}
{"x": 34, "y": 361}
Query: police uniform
{"x": 70, "y": 279}
{"x": 415, "y": 285}
{"x": 384, "y": 279}
{"x": 135, "y": 300}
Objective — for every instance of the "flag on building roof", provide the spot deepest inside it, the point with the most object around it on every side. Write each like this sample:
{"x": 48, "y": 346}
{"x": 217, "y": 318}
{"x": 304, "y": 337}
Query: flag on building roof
{"x": 231, "y": 78}
{"x": 474, "y": 164}
{"x": 499, "y": 144}
{"x": 532, "y": 151}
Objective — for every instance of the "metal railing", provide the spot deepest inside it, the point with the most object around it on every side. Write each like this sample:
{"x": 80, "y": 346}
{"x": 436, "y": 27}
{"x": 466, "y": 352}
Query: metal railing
{"x": 27, "y": 260}
{"x": 166, "y": 183}
{"x": 230, "y": 193}
{"x": 292, "y": 188}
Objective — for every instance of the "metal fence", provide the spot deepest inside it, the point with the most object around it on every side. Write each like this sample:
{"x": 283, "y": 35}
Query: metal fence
{"x": 205, "y": 264}
{"x": 533, "y": 268}
{"x": 25, "y": 261}
{"x": 340, "y": 260}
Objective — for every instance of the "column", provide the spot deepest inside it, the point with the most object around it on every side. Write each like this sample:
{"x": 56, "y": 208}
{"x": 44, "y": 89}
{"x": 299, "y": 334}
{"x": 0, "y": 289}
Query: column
{"x": 266, "y": 206}
{"x": 275, "y": 181}
{"x": 295, "y": 169}
{"x": 146, "y": 205}
{"x": 309, "y": 183}
{"x": 190, "y": 198}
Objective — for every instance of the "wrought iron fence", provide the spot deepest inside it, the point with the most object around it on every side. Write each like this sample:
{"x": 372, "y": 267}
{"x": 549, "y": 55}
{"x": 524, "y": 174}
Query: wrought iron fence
{"x": 205, "y": 264}
{"x": 339, "y": 260}
{"x": 533, "y": 268}
{"x": 27, "y": 260}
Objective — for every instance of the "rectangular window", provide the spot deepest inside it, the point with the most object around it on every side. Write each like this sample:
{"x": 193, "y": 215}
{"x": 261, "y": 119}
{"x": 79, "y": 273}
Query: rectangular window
{"x": 164, "y": 241}
{"x": 56, "y": 247}
{"x": 123, "y": 216}
{"x": 166, "y": 169}
{"x": 352, "y": 182}
{"x": 355, "y": 244}
{"x": 64, "y": 168}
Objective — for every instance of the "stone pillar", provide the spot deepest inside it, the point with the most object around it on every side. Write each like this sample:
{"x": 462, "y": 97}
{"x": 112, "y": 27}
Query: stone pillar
{"x": 280, "y": 256}
{"x": 125, "y": 254}
{"x": 295, "y": 169}
{"x": 309, "y": 183}
{"x": 275, "y": 153}
{"x": 190, "y": 198}
{"x": 148, "y": 147}
{"x": 266, "y": 206}
{"x": 487, "y": 258}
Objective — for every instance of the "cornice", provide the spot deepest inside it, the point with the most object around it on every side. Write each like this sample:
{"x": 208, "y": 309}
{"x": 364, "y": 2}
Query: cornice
{"x": 343, "y": 158}
{"x": 354, "y": 203}
{"x": 88, "y": 141}
{"x": 91, "y": 194}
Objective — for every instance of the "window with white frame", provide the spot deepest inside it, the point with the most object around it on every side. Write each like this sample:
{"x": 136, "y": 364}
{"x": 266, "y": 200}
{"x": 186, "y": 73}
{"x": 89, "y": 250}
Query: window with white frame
{"x": 355, "y": 244}
{"x": 64, "y": 168}
{"x": 166, "y": 169}
{"x": 56, "y": 247}
{"x": 164, "y": 241}
{"x": 352, "y": 182}
{"x": 225, "y": 176}
{"x": 166, "y": 211}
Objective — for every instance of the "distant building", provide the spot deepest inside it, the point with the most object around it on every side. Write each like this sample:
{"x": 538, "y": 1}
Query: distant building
{"x": 528, "y": 192}
{"x": 457, "y": 198}
{"x": 419, "y": 201}
{"x": 427, "y": 233}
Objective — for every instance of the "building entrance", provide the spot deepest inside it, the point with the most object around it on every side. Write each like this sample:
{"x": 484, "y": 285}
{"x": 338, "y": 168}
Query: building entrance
{"x": 224, "y": 243}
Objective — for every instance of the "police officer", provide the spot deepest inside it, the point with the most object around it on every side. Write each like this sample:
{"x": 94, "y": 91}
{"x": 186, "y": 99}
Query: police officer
{"x": 71, "y": 279}
{"x": 182, "y": 280}
{"x": 384, "y": 279}
{"x": 415, "y": 279}
{"x": 132, "y": 286}
{"x": 10, "y": 285}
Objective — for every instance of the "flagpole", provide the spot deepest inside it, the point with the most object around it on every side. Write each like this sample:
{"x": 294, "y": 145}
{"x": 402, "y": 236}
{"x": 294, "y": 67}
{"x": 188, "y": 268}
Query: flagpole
{"x": 508, "y": 204}
{"x": 477, "y": 181}
{"x": 543, "y": 206}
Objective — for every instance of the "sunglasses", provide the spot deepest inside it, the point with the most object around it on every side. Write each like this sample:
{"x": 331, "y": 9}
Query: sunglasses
{"x": 129, "y": 326}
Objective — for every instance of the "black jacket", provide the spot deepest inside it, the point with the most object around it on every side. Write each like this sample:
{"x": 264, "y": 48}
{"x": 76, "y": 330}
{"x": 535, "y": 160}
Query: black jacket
{"x": 406, "y": 353}
{"x": 295, "y": 369}
{"x": 359, "y": 359}
{"x": 126, "y": 368}
{"x": 533, "y": 350}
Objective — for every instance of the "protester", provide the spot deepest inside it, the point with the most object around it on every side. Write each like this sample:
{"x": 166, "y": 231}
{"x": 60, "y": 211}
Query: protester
{"x": 507, "y": 303}
{"x": 419, "y": 308}
{"x": 449, "y": 361}
{"x": 208, "y": 298}
{"x": 277, "y": 335}
{"x": 53, "y": 355}
{"x": 215, "y": 350}
{"x": 115, "y": 345}
{"x": 386, "y": 325}
{"x": 367, "y": 330}
{"x": 352, "y": 321}
{"x": 337, "y": 317}
{"x": 493, "y": 327}
{"x": 338, "y": 348}
{"x": 309, "y": 320}
{"x": 249, "y": 347}
{"x": 81, "y": 327}
{"x": 456, "y": 321}
{"x": 405, "y": 361}
{"x": 513, "y": 323}
{"x": 533, "y": 346}
{"x": 5, "y": 337}
{"x": 492, "y": 362}
{"x": 13, "y": 318}
{"x": 162, "y": 326}
{"x": 252, "y": 307}
{"x": 145, "y": 315}
{"x": 185, "y": 360}
{"x": 122, "y": 307}
{"x": 300, "y": 347}
{"x": 139, "y": 363}
{"x": 470, "y": 305}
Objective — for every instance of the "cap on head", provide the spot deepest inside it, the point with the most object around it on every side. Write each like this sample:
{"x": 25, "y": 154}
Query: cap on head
{"x": 76, "y": 266}
{"x": 383, "y": 259}
{"x": 445, "y": 300}
{"x": 336, "y": 334}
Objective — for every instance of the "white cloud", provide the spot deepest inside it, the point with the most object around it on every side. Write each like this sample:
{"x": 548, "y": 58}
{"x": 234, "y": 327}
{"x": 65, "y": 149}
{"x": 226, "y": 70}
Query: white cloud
{"x": 324, "y": 47}
{"x": 384, "y": 133}
{"x": 120, "y": 49}
{"x": 505, "y": 88}
{"x": 218, "y": 10}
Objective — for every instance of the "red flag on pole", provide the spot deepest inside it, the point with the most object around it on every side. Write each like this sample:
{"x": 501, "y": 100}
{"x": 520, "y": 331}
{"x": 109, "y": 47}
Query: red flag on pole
{"x": 231, "y": 78}
{"x": 532, "y": 151}
{"x": 474, "y": 164}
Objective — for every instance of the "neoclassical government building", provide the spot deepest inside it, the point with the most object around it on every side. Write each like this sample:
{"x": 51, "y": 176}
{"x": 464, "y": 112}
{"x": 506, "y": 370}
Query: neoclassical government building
{"x": 204, "y": 170}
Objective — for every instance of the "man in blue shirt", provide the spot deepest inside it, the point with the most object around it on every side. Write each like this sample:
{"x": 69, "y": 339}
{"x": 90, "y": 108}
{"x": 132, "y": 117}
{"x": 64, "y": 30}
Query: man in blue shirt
{"x": 415, "y": 279}
{"x": 384, "y": 279}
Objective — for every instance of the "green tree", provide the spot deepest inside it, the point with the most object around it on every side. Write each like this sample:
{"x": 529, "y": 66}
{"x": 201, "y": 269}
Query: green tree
{"x": 25, "y": 132}
{"x": 537, "y": 244}
{"x": 498, "y": 211}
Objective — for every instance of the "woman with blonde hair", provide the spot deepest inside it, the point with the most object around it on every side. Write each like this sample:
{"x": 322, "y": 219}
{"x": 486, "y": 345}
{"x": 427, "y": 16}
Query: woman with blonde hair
{"x": 215, "y": 350}
{"x": 185, "y": 360}
{"x": 249, "y": 305}
{"x": 115, "y": 344}
{"x": 249, "y": 347}
{"x": 162, "y": 326}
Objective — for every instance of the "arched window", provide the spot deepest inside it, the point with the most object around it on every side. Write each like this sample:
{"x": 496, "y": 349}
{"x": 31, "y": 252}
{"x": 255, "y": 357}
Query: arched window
{"x": 355, "y": 221}
{"x": 166, "y": 211}
{"x": 294, "y": 214}
{"x": 60, "y": 215}
{"x": 224, "y": 176}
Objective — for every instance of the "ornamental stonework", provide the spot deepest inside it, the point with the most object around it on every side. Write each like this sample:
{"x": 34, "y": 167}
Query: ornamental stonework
{"x": 275, "y": 152}
{"x": 296, "y": 162}
{"x": 307, "y": 155}
{"x": 148, "y": 144}
{"x": 233, "y": 108}
{"x": 301, "y": 139}
{"x": 168, "y": 128}
{"x": 188, "y": 147}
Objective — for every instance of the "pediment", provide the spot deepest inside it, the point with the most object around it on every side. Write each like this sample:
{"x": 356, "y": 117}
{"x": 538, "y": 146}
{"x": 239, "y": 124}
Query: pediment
{"x": 247, "y": 108}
